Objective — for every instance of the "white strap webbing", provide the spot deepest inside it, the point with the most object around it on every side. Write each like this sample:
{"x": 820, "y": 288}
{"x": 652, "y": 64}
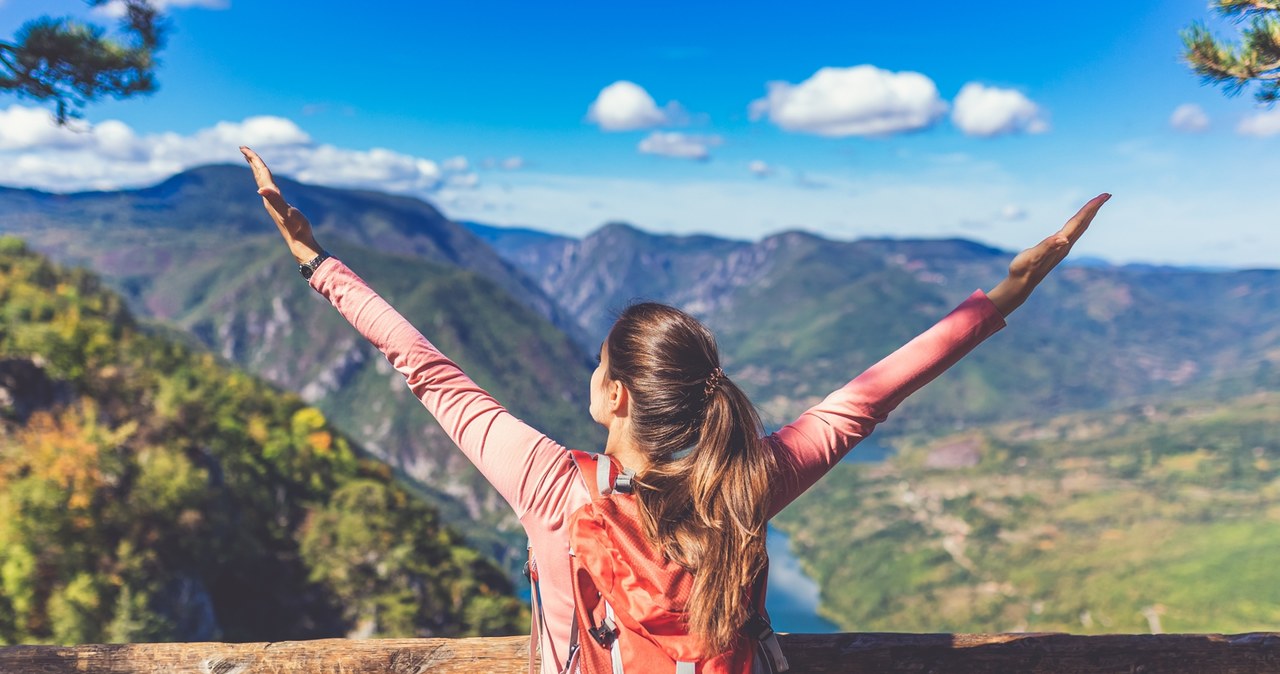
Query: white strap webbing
{"x": 777, "y": 659}
{"x": 686, "y": 667}
{"x": 603, "y": 484}
{"x": 615, "y": 649}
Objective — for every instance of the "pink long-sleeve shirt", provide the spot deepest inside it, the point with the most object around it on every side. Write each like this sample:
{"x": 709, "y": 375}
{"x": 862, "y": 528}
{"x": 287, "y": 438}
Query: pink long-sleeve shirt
{"x": 536, "y": 475}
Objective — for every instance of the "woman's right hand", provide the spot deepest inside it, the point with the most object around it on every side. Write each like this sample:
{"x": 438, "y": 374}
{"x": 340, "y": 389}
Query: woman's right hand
{"x": 293, "y": 225}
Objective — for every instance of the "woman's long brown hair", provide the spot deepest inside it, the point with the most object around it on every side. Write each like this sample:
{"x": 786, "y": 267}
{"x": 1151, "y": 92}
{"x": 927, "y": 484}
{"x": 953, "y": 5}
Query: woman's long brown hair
{"x": 705, "y": 494}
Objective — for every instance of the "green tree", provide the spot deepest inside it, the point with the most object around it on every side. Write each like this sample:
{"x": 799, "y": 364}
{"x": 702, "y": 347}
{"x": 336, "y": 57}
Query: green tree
{"x": 1256, "y": 58}
{"x": 160, "y": 496}
{"x": 70, "y": 63}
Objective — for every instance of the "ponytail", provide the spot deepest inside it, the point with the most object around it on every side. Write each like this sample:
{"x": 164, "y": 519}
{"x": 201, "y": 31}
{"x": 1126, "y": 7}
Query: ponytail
{"x": 705, "y": 495}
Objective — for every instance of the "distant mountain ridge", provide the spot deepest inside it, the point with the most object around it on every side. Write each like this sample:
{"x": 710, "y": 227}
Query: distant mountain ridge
{"x": 798, "y": 314}
{"x": 215, "y": 200}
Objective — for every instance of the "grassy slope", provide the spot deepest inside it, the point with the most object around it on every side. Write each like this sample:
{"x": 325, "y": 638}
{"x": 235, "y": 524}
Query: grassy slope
{"x": 1080, "y": 524}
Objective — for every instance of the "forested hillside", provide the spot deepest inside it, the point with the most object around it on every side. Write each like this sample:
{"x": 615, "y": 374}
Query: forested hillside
{"x": 1150, "y": 518}
{"x": 197, "y": 252}
{"x": 150, "y": 492}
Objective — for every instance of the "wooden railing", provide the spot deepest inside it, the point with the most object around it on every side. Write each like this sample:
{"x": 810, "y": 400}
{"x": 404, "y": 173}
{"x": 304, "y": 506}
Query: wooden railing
{"x": 870, "y": 653}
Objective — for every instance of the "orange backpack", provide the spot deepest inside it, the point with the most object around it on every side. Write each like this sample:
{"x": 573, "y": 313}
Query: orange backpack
{"x": 630, "y": 602}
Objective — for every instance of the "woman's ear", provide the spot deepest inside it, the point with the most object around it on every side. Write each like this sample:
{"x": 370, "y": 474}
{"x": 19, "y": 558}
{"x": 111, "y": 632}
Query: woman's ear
{"x": 619, "y": 399}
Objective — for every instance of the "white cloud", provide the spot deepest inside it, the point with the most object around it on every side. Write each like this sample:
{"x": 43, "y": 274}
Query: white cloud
{"x": 465, "y": 181}
{"x": 378, "y": 168}
{"x": 22, "y": 127}
{"x": 858, "y": 101}
{"x": 512, "y": 163}
{"x": 1013, "y": 212}
{"x": 760, "y": 169}
{"x": 34, "y": 152}
{"x": 1261, "y": 125}
{"x": 455, "y": 164}
{"x": 1189, "y": 118}
{"x": 626, "y": 106}
{"x": 678, "y": 145}
{"x": 992, "y": 111}
{"x": 116, "y": 8}
{"x": 262, "y": 130}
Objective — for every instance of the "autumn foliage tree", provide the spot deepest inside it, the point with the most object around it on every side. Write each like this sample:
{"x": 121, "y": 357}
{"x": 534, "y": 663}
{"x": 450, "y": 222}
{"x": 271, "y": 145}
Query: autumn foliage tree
{"x": 69, "y": 63}
{"x": 1256, "y": 58}
{"x": 150, "y": 493}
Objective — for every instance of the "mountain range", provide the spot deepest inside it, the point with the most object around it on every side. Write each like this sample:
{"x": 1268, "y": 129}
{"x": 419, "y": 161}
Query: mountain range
{"x": 797, "y": 315}
{"x": 523, "y": 312}
{"x": 198, "y": 253}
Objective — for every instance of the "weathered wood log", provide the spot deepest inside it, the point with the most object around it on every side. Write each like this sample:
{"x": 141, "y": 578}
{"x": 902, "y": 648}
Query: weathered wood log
{"x": 870, "y": 653}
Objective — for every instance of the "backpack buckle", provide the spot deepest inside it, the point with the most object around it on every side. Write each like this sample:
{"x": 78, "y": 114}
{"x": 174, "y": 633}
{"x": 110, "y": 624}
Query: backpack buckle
{"x": 605, "y": 634}
{"x": 623, "y": 483}
{"x": 757, "y": 627}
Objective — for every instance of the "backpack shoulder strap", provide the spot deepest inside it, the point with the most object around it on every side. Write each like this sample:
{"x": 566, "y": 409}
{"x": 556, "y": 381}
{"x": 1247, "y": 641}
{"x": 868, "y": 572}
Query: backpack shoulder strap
{"x": 760, "y": 631}
{"x": 598, "y": 472}
{"x": 586, "y": 464}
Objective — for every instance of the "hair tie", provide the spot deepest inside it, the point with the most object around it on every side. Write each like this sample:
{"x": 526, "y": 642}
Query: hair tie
{"x": 713, "y": 382}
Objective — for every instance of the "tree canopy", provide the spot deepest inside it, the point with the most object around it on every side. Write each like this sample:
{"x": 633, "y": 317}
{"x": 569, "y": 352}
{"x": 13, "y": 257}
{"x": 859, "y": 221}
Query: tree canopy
{"x": 150, "y": 493}
{"x": 70, "y": 63}
{"x": 1256, "y": 58}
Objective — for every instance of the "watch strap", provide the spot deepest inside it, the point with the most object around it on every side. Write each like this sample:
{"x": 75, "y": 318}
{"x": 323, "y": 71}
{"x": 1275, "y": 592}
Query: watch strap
{"x": 308, "y": 268}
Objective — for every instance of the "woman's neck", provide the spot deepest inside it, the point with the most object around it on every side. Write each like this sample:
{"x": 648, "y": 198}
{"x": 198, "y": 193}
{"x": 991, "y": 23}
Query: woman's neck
{"x": 622, "y": 446}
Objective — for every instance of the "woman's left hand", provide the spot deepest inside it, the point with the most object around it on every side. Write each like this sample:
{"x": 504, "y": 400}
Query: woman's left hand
{"x": 1032, "y": 265}
{"x": 293, "y": 225}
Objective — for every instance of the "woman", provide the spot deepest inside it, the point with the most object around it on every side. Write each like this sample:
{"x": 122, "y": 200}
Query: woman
{"x": 706, "y": 480}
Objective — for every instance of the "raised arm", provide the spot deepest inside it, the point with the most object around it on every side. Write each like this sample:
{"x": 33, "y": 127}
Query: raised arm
{"x": 512, "y": 456}
{"x": 815, "y": 442}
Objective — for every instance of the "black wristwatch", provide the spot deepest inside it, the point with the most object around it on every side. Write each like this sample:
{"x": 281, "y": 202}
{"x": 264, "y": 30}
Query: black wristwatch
{"x": 309, "y": 268}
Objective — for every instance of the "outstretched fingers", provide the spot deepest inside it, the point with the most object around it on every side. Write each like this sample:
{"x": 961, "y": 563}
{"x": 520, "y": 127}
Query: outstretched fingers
{"x": 1079, "y": 222}
{"x": 286, "y": 217}
{"x": 275, "y": 201}
{"x": 267, "y": 189}
{"x": 1034, "y": 263}
{"x": 261, "y": 174}
{"x": 1031, "y": 266}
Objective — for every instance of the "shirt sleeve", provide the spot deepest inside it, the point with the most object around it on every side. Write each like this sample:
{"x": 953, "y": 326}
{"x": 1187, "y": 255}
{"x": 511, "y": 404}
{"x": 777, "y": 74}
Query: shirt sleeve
{"x": 514, "y": 457}
{"x": 815, "y": 442}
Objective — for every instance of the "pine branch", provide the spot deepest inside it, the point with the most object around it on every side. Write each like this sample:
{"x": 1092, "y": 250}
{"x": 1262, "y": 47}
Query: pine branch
{"x": 1233, "y": 67}
{"x": 1244, "y": 8}
{"x": 70, "y": 63}
{"x": 1262, "y": 43}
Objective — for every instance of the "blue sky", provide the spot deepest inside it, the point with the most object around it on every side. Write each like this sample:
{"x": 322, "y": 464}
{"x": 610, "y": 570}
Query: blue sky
{"x": 483, "y": 109}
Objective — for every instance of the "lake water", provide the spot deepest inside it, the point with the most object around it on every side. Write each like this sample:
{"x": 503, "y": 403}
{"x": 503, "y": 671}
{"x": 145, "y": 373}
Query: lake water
{"x": 793, "y": 596}
{"x": 868, "y": 451}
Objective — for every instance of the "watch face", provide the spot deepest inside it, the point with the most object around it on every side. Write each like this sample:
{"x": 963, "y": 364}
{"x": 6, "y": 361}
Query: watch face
{"x": 306, "y": 271}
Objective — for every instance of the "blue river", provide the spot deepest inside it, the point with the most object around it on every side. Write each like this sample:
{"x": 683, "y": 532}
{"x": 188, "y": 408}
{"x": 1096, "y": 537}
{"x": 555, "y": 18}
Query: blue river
{"x": 793, "y": 596}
